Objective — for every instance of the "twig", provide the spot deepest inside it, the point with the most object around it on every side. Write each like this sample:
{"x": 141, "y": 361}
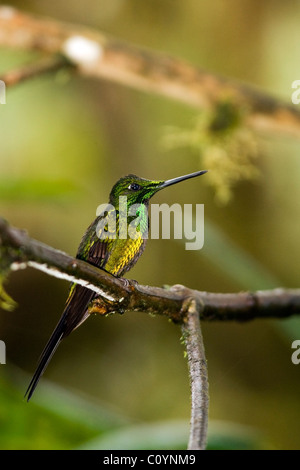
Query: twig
{"x": 98, "y": 55}
{"x": 41, "y": 67}
{"x": 192, "y": 336}
{"x": 18, "y": 250}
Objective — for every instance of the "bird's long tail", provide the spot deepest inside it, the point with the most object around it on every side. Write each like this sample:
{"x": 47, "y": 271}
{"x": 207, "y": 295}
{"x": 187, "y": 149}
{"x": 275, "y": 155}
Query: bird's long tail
{"x": 46, "y": 356}
{"x": 74, "y": 314}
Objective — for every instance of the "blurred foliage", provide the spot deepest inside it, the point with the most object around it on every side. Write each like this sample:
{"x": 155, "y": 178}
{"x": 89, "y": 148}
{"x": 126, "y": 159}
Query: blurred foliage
{"x": 36, "y": 189}
{"x": 65, "y": 140}
{"x": 61, "y": 419}
{"x": 6, "y": 302}
{"x": 224, "y": 145}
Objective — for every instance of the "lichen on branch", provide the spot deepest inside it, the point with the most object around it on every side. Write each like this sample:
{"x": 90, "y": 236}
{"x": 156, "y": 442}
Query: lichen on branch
{"x": 223, "y": 143}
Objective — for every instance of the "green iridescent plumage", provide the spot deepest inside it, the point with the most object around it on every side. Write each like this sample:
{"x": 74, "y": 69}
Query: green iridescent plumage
{"x": 103, "y": 246}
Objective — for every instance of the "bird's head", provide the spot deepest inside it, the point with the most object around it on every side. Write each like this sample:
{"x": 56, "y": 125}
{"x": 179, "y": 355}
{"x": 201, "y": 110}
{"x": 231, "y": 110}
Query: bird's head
{"x": 140, "y": 190}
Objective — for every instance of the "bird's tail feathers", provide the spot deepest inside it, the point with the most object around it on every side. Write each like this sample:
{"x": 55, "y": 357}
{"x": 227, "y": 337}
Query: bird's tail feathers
{"x": 45, "y": 358}
{"x": 75, "y": 314}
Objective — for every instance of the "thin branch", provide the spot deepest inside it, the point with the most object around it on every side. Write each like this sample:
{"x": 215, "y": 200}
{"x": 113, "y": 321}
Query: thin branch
{"x": 18, "y": 251}
{"x": 100, "y": 56}
{"x": 192, "y": 336}
{"x": 41, "y": 67}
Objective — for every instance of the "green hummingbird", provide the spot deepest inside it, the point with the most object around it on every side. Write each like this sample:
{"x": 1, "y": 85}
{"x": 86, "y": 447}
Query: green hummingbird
{"x": 103, "y": 246}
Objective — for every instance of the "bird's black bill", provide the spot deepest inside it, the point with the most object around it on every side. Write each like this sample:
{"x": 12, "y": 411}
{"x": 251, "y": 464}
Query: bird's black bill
{"x": 181, "y": 178}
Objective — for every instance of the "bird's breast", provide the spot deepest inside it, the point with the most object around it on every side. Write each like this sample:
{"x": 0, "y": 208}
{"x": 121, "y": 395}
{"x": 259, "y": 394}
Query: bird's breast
{"x": 124, "y": 254}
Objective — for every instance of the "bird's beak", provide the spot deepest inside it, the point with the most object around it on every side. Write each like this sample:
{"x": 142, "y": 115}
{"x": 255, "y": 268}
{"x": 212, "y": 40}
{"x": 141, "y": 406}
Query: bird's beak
{"x": 181, "y": 178}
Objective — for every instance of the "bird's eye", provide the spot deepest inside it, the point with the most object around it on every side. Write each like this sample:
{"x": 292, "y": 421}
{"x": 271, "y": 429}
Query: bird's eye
{"x": 134, "y": 187}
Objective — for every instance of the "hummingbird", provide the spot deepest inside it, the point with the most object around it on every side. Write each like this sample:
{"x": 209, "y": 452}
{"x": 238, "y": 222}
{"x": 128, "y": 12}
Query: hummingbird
{"x": 102, "y": 247}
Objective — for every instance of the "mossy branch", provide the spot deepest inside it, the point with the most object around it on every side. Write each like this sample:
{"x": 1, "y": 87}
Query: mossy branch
{"x": 18, "y": 251}
{"x": 192, "y": 337}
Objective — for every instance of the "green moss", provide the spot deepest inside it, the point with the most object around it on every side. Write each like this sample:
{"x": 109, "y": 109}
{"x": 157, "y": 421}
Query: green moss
{"x": 226, "y": 147}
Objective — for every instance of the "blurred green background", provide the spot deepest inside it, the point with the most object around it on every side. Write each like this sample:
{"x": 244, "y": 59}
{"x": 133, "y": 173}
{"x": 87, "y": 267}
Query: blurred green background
{"x": 121, "y": 382}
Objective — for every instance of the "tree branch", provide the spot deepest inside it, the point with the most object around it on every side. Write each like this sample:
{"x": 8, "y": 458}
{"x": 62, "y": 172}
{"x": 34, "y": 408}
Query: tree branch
{"x": 18, "y": 251}
{"x": 97, "y": 55}
{"x": 192, "y": 336}
{"x": 26, "y": 72}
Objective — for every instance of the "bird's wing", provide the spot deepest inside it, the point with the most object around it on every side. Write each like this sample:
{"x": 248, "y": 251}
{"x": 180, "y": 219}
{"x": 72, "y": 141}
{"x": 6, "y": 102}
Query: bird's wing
{"x": 76, "y": 310}
{"x": 98, "y": 253}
